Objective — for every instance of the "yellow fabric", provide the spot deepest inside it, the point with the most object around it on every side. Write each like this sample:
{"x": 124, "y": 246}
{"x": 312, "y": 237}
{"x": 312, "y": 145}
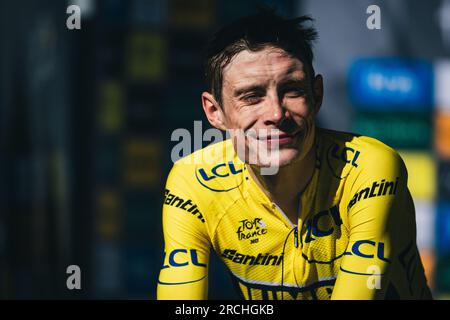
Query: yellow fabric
{"x": 356, "y": 229}
{"x": 422, "y": 174}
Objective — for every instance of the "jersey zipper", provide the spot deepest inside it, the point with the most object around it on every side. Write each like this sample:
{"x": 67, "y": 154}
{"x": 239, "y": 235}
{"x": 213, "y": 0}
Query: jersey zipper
{"x": 296, "y": 237}
{"x": 293, "y": 225}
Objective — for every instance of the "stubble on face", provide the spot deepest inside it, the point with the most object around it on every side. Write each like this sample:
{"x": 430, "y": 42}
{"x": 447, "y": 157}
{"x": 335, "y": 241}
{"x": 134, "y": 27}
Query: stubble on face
{"x": 253, "y": 81}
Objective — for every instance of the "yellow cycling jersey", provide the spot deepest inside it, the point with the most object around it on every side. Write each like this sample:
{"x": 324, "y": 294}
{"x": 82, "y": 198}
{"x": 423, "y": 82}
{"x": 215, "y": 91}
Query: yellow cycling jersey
{"x": 355, "y": 237}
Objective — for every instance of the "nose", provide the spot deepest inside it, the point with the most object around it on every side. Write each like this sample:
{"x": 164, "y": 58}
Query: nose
{"x": 275, "y": 112}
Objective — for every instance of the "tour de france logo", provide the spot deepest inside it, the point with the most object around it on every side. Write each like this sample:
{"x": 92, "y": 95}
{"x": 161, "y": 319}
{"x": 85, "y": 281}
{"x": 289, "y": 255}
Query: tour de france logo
{"x": 251, "y": 230}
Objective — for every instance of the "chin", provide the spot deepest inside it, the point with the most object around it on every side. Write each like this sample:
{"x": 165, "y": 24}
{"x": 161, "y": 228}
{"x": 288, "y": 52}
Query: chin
{"x": 287, "y": 157}
{"x": 280, "y": 159}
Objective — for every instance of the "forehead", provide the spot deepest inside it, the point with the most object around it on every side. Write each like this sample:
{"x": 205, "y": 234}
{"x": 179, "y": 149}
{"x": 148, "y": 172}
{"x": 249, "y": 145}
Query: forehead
{"x": 264, "y": 65}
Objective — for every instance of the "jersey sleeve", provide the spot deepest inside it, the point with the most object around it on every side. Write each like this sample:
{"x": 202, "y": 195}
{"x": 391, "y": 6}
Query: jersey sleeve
{"x": 184, "y": 274}
{"x": 380, "y": 213}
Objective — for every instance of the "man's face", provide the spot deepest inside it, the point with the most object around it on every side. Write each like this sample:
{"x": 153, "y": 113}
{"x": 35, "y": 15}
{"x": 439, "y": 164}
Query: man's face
{"x": 269, "y": 97}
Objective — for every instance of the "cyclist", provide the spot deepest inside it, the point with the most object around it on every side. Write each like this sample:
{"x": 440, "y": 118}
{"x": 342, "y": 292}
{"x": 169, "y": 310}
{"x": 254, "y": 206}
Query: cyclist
{"x": 334, "y": 221}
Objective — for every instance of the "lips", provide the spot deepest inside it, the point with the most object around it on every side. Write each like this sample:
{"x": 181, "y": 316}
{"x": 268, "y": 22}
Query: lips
{"x": 280, "y": 137}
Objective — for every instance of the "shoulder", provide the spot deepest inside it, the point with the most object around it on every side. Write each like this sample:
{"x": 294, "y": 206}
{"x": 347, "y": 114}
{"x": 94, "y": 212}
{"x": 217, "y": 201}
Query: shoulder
{"x": 208, "y": 173}
{"x": 353, "y": 154}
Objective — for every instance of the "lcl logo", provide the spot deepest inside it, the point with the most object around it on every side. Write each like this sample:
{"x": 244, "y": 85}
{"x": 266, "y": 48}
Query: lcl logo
{"x": 181, "y": 258}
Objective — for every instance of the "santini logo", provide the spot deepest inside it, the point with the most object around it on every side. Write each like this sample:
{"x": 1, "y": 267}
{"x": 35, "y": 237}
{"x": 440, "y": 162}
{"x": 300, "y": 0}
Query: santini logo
{"x": 186, "y": 205}
{"x": 260, "y": 259}
{"x": 377, "y": 189}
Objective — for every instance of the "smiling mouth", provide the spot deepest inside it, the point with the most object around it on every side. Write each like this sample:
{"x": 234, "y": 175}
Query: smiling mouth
{"x": 282, "y": 138}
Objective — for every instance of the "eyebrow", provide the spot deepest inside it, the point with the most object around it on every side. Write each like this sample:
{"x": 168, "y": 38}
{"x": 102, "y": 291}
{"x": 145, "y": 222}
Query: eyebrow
{"x": 296, "y": 82}
{"x": 260, "y": 87}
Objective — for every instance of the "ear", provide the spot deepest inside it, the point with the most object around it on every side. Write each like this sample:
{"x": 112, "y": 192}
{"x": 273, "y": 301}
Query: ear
{"x": 318, "y": 92}
{"x": 213, "y": 111}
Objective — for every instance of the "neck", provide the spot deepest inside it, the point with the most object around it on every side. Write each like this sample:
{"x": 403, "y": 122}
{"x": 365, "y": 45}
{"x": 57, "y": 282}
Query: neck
{"x": 290, "y": 181}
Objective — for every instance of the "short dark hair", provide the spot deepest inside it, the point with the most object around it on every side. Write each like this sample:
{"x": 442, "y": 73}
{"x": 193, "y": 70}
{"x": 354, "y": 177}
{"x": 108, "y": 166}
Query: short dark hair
{"x": 254, "y": 33}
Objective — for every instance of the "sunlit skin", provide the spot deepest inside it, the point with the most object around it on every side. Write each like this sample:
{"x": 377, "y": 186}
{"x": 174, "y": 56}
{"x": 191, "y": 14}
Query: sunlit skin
{"x": 271, "y": 90}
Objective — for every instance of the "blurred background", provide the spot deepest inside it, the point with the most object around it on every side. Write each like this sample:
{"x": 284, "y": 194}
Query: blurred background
{"x": 87, "y": 115}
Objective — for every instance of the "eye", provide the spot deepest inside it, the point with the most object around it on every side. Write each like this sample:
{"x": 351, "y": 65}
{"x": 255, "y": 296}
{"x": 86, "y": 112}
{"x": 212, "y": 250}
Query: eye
{"x": 294, "y": 93}
{"x": 252, "y": 98}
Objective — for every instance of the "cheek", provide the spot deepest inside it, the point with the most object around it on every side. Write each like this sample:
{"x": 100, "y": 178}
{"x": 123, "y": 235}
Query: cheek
{"x": 243, "y": 118}
{"x": 301, "y": 110}
{"x": 237, "y": 116}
